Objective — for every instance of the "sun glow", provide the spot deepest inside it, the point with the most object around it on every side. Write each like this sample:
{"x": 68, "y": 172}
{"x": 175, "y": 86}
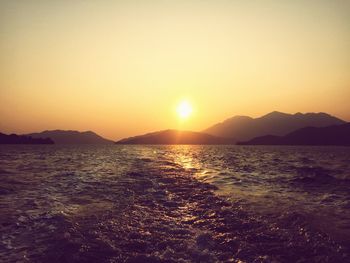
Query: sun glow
{"x": 184, "y": 110}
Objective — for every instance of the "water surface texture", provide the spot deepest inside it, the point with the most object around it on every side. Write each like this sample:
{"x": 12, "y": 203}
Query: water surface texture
{"x": 174, "y": 204}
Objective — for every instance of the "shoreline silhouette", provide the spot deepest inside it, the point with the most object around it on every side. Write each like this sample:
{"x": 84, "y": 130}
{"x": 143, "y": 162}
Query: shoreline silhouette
{"x": 21, "y": 139}
{"x": 274, "y": 128}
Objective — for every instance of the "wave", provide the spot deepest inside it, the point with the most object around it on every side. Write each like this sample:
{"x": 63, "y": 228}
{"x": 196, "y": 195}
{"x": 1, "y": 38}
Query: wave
{"x": 317, "y": 175}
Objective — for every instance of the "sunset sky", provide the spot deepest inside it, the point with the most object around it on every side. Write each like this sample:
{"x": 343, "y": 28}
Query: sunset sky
{"x": 120, "y": 68}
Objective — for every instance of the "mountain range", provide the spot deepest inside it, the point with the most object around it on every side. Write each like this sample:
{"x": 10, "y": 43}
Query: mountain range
{"x": 331, "y": 135}
{"x": 71, "y": 137}
{"x": 272, "y": 128}
{"x": 244, "y": 128}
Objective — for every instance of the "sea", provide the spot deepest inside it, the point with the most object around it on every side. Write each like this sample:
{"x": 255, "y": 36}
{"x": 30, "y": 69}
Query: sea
{"x": 180, "y": 203}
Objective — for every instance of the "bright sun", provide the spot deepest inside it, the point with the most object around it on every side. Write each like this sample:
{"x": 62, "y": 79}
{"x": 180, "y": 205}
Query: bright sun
{"x": 184, "y": 110}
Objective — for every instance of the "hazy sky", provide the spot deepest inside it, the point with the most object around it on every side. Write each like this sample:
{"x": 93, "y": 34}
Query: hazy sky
{"x": 119, "y": 68}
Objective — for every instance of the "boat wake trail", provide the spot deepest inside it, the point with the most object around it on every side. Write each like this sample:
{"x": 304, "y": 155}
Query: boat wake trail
{"x": 168, "y": 216}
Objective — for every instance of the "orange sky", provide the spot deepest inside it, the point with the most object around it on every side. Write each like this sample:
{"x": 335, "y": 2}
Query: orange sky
{"x": 120, "y": 68}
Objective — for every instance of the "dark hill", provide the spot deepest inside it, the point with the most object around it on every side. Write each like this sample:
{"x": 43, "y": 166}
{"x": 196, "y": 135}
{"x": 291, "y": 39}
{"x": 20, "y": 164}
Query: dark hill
{"x": 72, "y": 137}
{"x": 244, "y": 128}
{"x": 332, "y": 135}
{"x": 176, "y": 137}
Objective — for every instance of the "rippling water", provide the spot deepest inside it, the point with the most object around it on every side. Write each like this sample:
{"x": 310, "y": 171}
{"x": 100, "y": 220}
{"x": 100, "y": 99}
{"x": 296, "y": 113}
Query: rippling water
{"x": 174, "y": 204}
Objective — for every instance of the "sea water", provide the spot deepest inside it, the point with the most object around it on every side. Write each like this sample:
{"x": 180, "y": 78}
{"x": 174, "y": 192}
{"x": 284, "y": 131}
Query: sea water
{"x": 134, "y": 203}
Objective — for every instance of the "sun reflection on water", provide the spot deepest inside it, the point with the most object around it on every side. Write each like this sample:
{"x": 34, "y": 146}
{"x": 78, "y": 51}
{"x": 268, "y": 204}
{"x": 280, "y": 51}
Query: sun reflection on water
{"x": 183, "y": 155}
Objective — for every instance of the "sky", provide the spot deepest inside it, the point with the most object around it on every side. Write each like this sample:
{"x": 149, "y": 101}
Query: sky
{"x": 120, "y": 68}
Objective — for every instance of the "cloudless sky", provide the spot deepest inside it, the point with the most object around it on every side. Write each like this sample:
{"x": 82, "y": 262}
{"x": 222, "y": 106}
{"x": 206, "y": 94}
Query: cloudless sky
{"x": 119, "y": 68}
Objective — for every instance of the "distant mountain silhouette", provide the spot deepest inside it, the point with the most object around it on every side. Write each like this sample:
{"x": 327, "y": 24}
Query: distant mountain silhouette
{"x": 176, "y": 137}
{"x": 72, "y": 137}
{"x": 244, "y": 128}
{"x": 20, "y": 139}
{"x": 331, "y": 135}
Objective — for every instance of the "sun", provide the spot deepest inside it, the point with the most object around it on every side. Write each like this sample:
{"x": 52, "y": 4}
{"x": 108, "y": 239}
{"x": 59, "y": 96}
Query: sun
{"x": 184, "y": 110}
